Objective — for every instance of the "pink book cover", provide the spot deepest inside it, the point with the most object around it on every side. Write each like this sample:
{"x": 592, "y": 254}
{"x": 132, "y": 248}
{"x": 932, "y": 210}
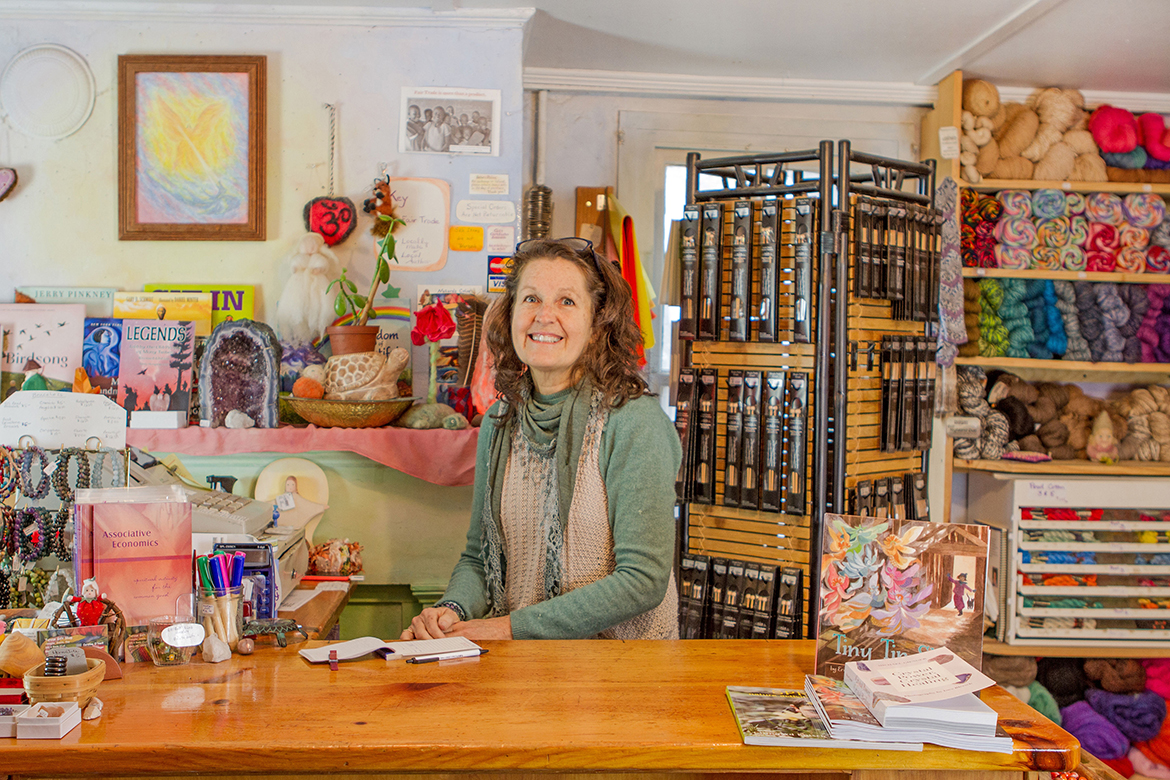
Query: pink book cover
{"x": 155, "y": 369}
{"x": 142, "y": 557}
{"x": 50, "y": 334}
{"x": 82, "y": 543}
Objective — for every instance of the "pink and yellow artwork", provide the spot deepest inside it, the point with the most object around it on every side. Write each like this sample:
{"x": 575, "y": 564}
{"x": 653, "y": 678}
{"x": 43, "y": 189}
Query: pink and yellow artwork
{"x": 192, "y": 148}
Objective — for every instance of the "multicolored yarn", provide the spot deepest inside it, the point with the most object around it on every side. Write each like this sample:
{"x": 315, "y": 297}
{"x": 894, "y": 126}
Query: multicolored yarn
{"x": 1078, "y": 230}
{"x": 1131, "y": 259}
{"x": 1133, "y": 236}
{"x": 1089, "y": 316}
{"x": 1114, "y": 316}
{"x": 1104, "y": 207}
{"x": 1157, "y": 259}
{"x": 978, "y": 214}
{"x": 1096, "y": 260}
{"x": 1137, "y": 300}
{"x": 1143, "y": 209}
{"x": 1053, "y": 232}
{"x": 1103, "y": 237}
{"x": 1047, "y": 258}
{"x": 1016, "y": 231}
{"x": 1074, "y": 202}
{"x": 1016, "y": 203}
{"x": 993, "y": 336}
{"x": 1016, "y": 318}
{"x": 1156, "y": 295}
{"x": 1049, "y": 204}
{"x": 1016, "y": 258}
{"x": 1037, "y": 346}
{"x": 1161, "y": 234}
{"x": 1066, "y": 304}
{"x": 1057, "y": 338}
{"x": 1072, "y": 258}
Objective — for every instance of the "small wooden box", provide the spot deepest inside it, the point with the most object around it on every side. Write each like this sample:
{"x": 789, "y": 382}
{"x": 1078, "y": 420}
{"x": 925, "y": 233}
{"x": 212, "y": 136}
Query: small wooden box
{"x": 29, "y": 726}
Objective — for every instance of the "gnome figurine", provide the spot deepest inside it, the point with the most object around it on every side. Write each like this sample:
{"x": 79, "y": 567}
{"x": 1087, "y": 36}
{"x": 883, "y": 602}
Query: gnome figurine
{"x": 1102, "y": 445}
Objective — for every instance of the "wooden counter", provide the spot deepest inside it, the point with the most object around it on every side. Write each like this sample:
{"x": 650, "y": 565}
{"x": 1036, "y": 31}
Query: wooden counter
{"x": 652, "y": 708}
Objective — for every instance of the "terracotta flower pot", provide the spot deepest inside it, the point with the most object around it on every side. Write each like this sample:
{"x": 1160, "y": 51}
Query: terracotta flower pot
{"x": 348, "y": 339}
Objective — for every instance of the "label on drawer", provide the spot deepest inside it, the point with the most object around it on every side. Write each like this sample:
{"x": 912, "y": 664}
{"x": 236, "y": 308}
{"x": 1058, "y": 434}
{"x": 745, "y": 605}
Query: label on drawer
{"x": 948, "y": 142}
{"x": 1046, "y": 493}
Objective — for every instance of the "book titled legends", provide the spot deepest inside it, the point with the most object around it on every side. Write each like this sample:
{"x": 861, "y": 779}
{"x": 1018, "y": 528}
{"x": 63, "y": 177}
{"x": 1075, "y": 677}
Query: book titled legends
{"x": 155, "y": 365}
{"x": 774, "y": 716}
{"x": 892, "y": 588}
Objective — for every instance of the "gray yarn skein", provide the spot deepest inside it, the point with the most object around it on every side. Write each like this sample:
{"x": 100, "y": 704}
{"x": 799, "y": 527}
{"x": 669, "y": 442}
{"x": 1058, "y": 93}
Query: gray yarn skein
{"x": 1078, "y": 348}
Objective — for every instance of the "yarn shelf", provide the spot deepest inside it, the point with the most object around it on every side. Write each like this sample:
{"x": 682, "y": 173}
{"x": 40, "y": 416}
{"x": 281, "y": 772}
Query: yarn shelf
{"x": 995, "y": 185}
{"x": 1071, "y": 276}
{"x": 995, "y": 647}
{"x": 1125, "y": 468}
{"x": 1072, "y": 370}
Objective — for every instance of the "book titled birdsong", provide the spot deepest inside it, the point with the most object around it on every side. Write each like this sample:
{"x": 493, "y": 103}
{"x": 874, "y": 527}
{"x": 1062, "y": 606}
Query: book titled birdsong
{"x": 42, "y": 339}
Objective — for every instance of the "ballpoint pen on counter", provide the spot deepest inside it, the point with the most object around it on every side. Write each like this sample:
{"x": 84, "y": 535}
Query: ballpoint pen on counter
{"x": 448, "y": 656}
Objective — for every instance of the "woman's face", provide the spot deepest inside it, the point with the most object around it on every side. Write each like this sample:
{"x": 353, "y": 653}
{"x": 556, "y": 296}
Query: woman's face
{"x": 552, "y": 321}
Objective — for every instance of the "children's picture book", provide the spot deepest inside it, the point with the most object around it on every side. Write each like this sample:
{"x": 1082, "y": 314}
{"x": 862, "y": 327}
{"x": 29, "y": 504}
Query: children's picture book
{"x": 190, "y": 307}
{"x": 98, "y": 301}
{"x": 774, "y": 716}
{"x": 155, "y": 365}
{"x": 45, "y": 339}
{"x": 228, "y": 302}
{"x": 892, "y": 587}
{"x": 452, "y": 365}
{"x": 101, "y": 351}
{"x": 142, "y": 552}
{"x": 846, "y": 717}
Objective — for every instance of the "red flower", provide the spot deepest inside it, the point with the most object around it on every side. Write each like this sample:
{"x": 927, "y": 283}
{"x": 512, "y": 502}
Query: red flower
{"x": 433, "y": 323}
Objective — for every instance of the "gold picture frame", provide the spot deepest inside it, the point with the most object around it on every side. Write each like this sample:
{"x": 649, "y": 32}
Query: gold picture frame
{"x": 191, "y": 147}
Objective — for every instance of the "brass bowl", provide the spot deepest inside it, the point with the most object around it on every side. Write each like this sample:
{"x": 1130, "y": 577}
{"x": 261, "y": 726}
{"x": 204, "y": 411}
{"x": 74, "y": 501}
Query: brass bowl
{"x": 350, "y": 414}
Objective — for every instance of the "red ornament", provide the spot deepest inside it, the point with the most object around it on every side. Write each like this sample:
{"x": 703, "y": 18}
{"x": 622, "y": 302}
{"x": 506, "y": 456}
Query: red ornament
{"x": 333, "y": 218}
{"x": 432, "y": 323}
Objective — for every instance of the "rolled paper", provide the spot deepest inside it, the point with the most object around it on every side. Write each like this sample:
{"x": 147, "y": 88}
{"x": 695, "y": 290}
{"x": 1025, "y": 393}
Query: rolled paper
{"x": 1053, "y": 232}
{"x": 1157, "y": 259}
{"x": 1046, "y": 258}
{"x": 1074, "y": 203}
{"x": 1016, "y": 203}
{"x": 1096, "y": 260}
{"x": 1049, "y": 204}
{"x": 1016, "y": 231}
{"x": 1104, "y": 207}
{"x": 1072, "y": 258}
{"x": 1103, "y": 237}
{"x": 1133, "y": 236}
{"x": 1078, "y": 231}
{"x": 1143, "y": 209}
{"x": 1131, "y": 259}
{"x": 1015, "y": 257}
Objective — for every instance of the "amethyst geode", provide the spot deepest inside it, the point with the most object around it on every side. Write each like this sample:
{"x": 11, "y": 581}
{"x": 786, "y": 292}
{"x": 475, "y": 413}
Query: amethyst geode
{"x": 241, "y": 371}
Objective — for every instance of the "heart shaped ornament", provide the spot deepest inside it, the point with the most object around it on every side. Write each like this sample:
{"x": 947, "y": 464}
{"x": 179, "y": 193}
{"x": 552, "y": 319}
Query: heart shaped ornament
{"x": 7, "y": 182}
{"x": 333, "y": 218}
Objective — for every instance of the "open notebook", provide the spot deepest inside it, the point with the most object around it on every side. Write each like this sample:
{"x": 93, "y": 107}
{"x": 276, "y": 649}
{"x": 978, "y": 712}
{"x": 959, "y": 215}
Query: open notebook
{"x": 356, "y": 648}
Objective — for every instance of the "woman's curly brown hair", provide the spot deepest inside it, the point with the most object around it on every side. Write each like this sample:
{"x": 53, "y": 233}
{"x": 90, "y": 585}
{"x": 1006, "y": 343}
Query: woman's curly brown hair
{"x": 610, "y": 360}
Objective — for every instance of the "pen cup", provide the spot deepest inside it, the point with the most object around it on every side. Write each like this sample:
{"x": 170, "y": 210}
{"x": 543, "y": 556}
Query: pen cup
{"x": 222, "y": 613}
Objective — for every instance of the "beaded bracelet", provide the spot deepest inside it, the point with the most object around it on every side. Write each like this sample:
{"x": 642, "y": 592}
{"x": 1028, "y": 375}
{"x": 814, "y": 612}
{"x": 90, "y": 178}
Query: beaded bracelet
{"x": 9, "y": 473}
{"x": 26, "y": 486}
{"x": 8, "y": 537}
{"x": 99, "y": 467}
{"x": 60, "y": 480}
{"x": 31, "y": 550}
{"x": 63, "y": 551}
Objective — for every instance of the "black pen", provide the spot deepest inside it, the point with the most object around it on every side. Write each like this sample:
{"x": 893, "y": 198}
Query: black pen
{"x": 426, "y": 659}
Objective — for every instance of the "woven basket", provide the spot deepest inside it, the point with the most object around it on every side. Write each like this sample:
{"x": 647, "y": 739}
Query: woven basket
{"x": 75, "y": 687}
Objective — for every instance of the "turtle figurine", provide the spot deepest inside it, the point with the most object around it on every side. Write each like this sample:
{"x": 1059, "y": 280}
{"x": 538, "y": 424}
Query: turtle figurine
{"x": 276, "y": 626}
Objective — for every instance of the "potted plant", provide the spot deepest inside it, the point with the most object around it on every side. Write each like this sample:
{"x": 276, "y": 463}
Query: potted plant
{"x": 356, "y": 335}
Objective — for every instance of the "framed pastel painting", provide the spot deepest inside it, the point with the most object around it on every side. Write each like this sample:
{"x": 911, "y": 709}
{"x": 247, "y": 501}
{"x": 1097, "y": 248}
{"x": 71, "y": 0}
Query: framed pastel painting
{"x": 191, "y": 148}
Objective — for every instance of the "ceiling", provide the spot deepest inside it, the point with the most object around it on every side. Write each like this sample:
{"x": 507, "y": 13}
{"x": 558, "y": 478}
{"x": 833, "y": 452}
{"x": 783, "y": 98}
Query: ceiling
{"x": 1116, "y": 46}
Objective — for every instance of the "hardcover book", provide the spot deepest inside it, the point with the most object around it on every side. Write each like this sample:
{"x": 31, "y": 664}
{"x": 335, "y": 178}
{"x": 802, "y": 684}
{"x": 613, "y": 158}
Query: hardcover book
{"x": 101, "y": 354}
{"x": 891, "y": 588}
{"x": 188, "y": 307}
{"x": 155, "y": 365}
{"x": 98, "y": 301}
{"x": 49, "y": 334}
{"x": 228, "y": 302}
{"x": 774, "y": 716}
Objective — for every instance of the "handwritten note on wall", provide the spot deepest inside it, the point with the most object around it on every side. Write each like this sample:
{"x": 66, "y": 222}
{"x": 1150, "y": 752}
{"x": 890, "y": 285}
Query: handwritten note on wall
{"x": 486, "y": 212}
{"x": 55, "y": 419}
{"x": 425, "y": 205}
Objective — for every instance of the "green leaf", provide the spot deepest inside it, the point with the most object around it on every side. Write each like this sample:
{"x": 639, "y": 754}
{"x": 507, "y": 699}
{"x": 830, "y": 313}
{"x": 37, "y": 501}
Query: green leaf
{"x": 358, "y": 302}
{"x": 385, "y": 217}
{"x": 349, "y": 285}
{"x": 383, "y": 272}
{"x": 388, "y": 246}
{"x": 339, "y": 306}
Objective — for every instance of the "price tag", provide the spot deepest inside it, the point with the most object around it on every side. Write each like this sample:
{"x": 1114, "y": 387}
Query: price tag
{"x": 1049, "y": 493}
{"x": 964, "y": 427}
{"x": 285, "y": 502}
{"x": 948, "y": 142}
{"x": 183, "y": 634}
{"x": 981, "y": 272}
{"x": 1064, "y": 185}
{"x": 1082, "y": 275}
{"x": 1147, "y": 188}
{"x": 48, "y": 470}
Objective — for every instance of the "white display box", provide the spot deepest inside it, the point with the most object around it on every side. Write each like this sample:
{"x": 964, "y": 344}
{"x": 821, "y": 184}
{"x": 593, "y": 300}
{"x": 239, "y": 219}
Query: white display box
{"x": 29, "y": 726}
{"x": 8, "y": 714}
{"x": 144, "y": 419}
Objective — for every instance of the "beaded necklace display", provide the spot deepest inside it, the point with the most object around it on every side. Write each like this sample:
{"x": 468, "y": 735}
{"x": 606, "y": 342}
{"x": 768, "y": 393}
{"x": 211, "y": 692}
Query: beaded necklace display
{"x": 26, "y": 484}
{"x": 60, "y": 479}
{"x": 32, "y": 540}
{"x": 62, "y": 550}
{"x": 8, "y": 532}
{"x": 9, "y": 474}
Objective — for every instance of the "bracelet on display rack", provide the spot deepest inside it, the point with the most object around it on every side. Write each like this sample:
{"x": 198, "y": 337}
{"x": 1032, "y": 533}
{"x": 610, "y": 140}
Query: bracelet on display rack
{"x": 60, "y": 480}
{"x": 8, "y": 532}
{"x": 32, "y": 540}
{"x": 110, "y": 455}
{"x": 63, "y": 551}
{"x": 9, "y": 474}
{"x": 26, "y": 473}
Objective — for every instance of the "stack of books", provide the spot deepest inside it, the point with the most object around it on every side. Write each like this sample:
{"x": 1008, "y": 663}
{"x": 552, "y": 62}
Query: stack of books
{"x": 892, "y": 704}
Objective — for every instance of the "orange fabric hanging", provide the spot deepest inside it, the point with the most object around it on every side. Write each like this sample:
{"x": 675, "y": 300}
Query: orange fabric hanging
{"x": 621, "y": 233}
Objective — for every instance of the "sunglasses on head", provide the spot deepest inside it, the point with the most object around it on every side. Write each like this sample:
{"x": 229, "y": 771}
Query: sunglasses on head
{"x": 582, "y": 246}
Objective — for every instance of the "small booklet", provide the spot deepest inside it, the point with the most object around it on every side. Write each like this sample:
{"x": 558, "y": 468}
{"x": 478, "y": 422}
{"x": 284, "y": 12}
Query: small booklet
{"x": 933, "y": 689}
{"x": 772, "y": 716}
{"x": 356, "y": 648}
{"x": 846, "y": 717}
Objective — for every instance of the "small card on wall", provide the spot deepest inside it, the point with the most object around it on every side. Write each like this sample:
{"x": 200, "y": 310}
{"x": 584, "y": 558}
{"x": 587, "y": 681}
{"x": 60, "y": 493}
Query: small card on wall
{"x": 466, "y": 238}
{"x": 501, "y": 239}
{"x": 425, "y": 205}
{"x": 488, "y": 184}
{"x": 499, "y": 266}
{"x": 486, "y": 212}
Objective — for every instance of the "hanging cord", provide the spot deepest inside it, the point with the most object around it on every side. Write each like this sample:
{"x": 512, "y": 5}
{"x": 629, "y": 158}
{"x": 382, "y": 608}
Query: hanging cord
{"x": 332, "y": 141}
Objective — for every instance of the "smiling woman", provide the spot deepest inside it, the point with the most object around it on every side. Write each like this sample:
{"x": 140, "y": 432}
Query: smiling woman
{"x": 572, "y": 524}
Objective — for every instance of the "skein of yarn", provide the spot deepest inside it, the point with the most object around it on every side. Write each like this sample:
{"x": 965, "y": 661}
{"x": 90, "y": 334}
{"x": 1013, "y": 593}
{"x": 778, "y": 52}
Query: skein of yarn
{"x": 1066, "y": 303}
{"x": 1089, "y": 316}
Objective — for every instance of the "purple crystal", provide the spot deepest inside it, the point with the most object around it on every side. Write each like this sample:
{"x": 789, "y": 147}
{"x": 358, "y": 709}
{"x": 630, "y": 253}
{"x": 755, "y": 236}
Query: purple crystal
{"x": 240, "y": 370}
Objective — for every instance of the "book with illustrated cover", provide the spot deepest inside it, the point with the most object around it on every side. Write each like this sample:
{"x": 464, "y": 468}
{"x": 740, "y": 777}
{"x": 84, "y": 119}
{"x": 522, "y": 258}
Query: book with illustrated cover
{"x": 228, "y": 301}
{"x": 774, "y": 716}
{"x": 49, "y": 334}
{"x": 175, "y": 306}
{"x": 101, "y": 353}
{"x": 892, "y": 588}
{"x": 155, "y": 365}
{"x": 934, "y": 689}
{"x": 846, "y": 717}
{"x": 98, "y": 301}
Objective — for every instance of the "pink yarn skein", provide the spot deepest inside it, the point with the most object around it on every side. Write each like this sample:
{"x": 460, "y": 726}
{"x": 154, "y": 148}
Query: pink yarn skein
{"x": 1114, "y": 129}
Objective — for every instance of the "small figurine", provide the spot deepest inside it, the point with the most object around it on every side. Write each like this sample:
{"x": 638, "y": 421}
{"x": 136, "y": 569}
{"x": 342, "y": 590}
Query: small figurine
{"x": 88, "y": 605}
{"x": 1102, "y": 445}
{"x": 33, "y": 380}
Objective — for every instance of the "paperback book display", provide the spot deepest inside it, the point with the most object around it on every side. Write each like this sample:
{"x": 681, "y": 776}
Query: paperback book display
{"x": 772, "y": 716}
